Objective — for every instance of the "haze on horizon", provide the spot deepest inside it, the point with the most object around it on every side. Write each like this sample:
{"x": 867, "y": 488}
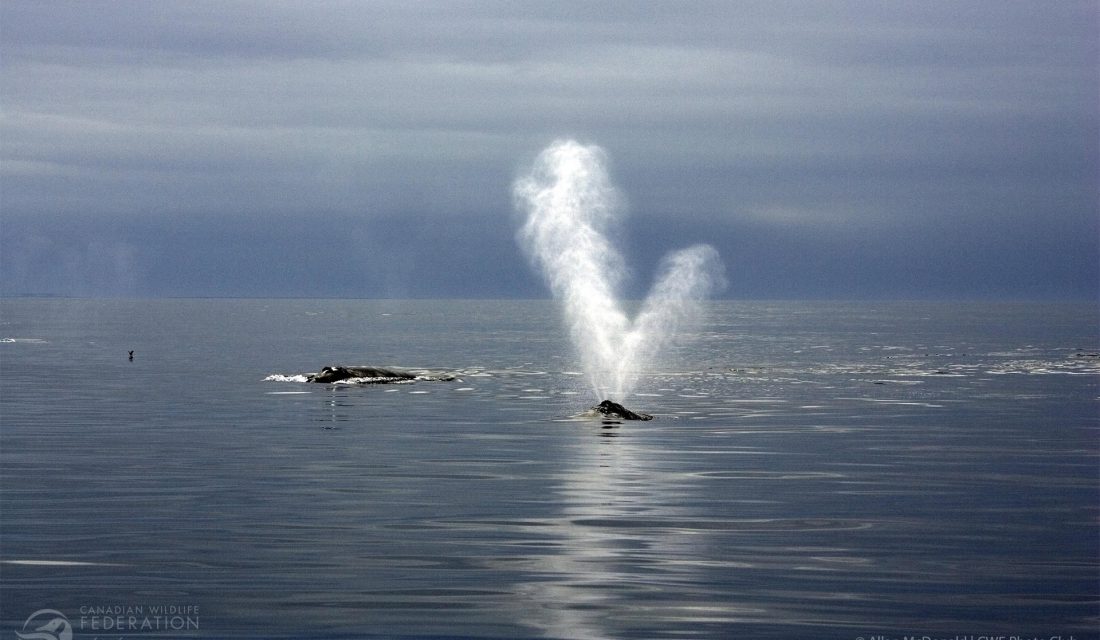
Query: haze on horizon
{"x": 836, "y": 149}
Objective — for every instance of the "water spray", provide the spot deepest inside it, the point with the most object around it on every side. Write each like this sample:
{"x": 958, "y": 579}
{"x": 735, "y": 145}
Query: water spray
{"x": 570, "y": 205}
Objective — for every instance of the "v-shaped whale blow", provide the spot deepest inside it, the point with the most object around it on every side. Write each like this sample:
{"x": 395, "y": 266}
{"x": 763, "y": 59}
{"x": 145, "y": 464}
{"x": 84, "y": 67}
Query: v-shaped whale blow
{"x": 572, "y": 214}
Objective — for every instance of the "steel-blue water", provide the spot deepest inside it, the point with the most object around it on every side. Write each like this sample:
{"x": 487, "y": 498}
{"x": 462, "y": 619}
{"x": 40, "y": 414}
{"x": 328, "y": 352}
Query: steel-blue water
{"x": 815, "y": 470}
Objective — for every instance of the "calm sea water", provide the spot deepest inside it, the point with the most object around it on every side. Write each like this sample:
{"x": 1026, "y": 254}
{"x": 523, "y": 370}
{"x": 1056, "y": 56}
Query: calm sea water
{"x": 816, "y": 470}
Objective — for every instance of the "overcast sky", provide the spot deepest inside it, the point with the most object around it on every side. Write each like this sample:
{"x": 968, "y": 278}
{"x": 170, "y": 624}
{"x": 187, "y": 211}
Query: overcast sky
{"x": 840, "y": 149}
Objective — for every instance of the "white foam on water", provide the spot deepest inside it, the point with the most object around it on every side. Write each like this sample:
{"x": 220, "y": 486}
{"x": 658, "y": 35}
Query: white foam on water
{"x": 365, "y": 380}
{"x": 278, "y": 377}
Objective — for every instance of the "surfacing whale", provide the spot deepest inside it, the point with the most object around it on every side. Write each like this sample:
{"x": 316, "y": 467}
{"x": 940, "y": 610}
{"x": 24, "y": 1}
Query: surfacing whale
{"x": 339, "y": 373}
{"x": 370, "y": 375}
{"x": 613, "y": 409}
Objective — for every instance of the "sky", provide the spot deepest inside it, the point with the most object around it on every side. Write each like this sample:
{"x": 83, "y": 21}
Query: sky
{"x": 841, "y": 149}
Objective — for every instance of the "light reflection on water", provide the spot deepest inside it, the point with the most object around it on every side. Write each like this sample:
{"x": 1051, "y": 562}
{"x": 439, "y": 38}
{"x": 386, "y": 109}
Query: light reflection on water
{"x": 809, "y": 473}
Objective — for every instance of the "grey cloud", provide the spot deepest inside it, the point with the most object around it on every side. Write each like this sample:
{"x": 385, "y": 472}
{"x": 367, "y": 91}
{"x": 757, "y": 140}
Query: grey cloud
{"x": 853, "y": 120}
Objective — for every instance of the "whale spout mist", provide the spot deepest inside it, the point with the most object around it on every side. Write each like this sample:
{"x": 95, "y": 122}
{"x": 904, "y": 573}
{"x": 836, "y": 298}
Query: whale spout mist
{"x": 570, "y": 205}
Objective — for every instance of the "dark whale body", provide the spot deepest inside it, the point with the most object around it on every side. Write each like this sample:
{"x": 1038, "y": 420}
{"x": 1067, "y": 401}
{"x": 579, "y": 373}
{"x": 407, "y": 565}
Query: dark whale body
{"x": 373, "y": 374}
{"x": 615, "y": 410}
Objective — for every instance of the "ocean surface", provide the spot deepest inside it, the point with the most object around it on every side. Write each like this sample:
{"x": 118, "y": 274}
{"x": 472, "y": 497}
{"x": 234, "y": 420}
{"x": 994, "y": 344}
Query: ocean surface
{"x": 815, "y": 470}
